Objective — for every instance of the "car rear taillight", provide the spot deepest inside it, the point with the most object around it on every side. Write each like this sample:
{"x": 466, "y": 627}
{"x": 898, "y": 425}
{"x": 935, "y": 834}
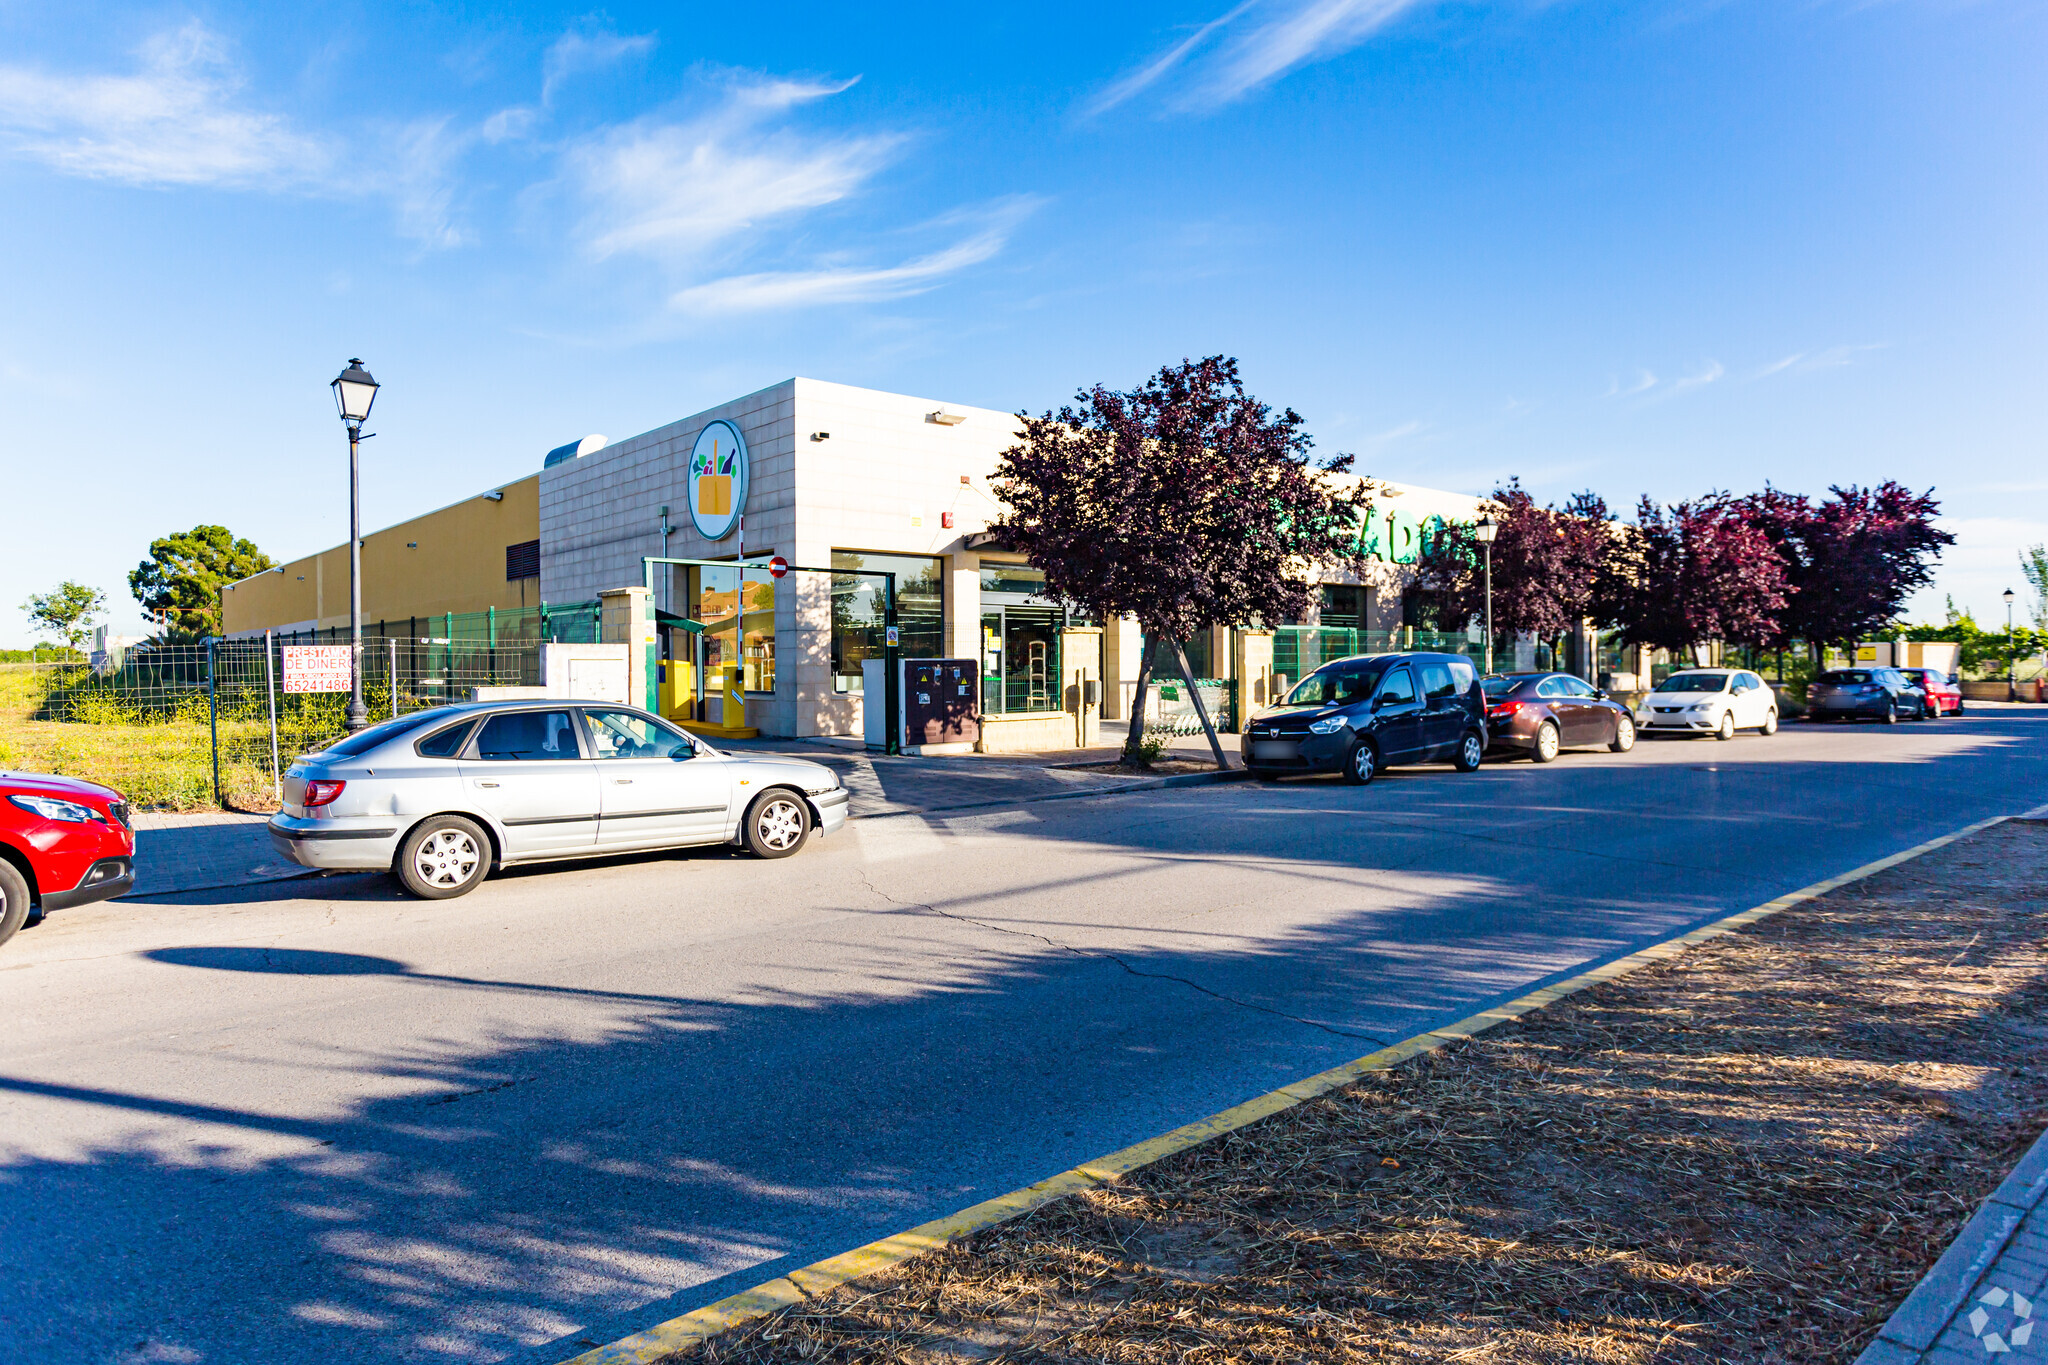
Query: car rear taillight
{"x": 1502, "y": 709}
{"x": 321, "y": 792}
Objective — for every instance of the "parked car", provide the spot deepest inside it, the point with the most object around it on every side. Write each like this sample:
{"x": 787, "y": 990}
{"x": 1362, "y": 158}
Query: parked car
{"x": 63, "y": 842}
{"x": 439, "y": 798}
{"x": 1885, "y": 694}
{"x": 1944, "y": 691}
{"x": 1544, "y": 713}
{"x": 1359, "y": 715}
{"x": 1711, "y": 701}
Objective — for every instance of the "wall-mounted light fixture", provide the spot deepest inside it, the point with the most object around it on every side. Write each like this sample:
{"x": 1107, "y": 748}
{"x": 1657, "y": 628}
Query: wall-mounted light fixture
{"x": 412, "y": 545}
{"x": 496, "y": 495}
{"x": 946, "y": 419}
{"x": 821, "y": 436}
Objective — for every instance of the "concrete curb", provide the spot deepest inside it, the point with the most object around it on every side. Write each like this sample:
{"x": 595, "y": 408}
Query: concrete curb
{"x": 1918, "y": 1323}
{"x": 666, "y": 1338}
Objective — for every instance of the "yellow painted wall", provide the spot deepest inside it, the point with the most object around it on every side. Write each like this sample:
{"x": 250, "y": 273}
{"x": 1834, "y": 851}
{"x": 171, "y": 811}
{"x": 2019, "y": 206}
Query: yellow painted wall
{"x": 459, "y": 565}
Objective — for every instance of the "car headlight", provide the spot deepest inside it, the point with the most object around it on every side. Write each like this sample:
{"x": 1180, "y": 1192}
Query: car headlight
{"x": 1329, "y": 725}
{"x": 50, "y": 808}
{"x": 1702, "y": 706}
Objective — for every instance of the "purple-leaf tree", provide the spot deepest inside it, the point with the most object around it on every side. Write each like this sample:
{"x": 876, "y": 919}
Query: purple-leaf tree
{"x": 1546, "y": 563}
{"x": 1850, "y": 562}
{"x": 1185, "y": 503}
{"x": 1693, "y": 572}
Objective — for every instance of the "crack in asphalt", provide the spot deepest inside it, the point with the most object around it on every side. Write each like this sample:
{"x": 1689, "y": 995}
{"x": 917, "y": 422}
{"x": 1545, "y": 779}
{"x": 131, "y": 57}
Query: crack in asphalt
{"x": 1195, "y": 986}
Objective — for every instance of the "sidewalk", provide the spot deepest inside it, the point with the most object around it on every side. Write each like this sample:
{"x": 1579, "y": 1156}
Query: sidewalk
{"x": 1984, "y": 1295}
{"x": 201, "y": 849}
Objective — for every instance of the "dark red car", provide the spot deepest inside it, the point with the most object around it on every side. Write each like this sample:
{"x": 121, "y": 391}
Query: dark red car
{"x": 63, "y": 842}
{"x": 1542, "y": 713}
{"x": 1944, "y": 697}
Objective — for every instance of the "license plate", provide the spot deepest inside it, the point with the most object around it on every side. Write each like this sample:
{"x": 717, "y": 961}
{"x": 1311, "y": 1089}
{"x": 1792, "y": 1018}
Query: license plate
{"x": 1275, "y": 749}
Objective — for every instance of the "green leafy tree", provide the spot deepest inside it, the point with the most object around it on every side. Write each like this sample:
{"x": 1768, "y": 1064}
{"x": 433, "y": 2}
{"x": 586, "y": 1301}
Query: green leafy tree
{"x": 2034, "y": 564}
{"x": 67, "y": 611}
{"x": 179, "y": 584}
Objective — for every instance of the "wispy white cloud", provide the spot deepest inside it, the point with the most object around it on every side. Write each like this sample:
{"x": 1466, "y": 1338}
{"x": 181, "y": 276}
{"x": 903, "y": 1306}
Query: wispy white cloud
{"x": 1708, "y": 373}
{"x": 1805, "y": 362}
{"x": 990, "y": 227}
{"x": 1642, "y": 383}
{"x": 1412, "y": 427}
{"x": 574, "y": 54}
{"x": 674, "y": 190}
{"x": 1252, "y": 46}
{"x": 781, "y": 289}
{"x": 175, "y": 121}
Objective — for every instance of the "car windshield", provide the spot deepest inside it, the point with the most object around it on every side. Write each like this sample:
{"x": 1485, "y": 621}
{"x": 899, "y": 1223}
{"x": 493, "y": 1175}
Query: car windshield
{"x": 1694, "y": 682}
{"x": 1500, "y": 687}
{"x": 365, "y": 740}
{"x": 1852, "y": 676}
{"x": 1338, "y": 683}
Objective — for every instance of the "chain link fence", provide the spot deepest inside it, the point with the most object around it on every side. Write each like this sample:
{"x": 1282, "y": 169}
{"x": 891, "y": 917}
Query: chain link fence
{"x": 221, "y": 707}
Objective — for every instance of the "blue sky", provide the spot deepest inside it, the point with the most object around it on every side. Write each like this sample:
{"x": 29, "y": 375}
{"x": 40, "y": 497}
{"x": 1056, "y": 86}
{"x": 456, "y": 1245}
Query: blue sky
{"x": 1660, "y": 247}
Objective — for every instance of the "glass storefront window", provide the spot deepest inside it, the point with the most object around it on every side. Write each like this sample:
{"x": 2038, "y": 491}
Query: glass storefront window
{"x": 1343, "y": 606}
{"x": 1166, "y": 668}
{"x": 1020, "y": 658}
{"x": 738, "y": 611}
{"x": 857, "y": 611}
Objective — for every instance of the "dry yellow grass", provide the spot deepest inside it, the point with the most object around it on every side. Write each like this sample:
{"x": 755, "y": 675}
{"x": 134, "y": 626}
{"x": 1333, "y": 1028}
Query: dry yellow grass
{"x": 1748, "y": 1154}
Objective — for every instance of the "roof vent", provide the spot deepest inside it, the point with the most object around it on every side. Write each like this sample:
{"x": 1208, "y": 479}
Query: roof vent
{"x": 575, "y": 450}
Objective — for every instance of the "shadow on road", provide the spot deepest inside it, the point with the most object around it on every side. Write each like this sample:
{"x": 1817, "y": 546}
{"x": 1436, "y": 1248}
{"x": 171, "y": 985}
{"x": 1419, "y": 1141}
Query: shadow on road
{"x": 611, "y": 1157}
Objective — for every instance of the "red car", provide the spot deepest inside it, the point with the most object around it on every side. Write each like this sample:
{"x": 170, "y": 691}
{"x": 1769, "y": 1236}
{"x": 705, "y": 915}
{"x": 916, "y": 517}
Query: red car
{"x": 63, "y": 842}
{"x": 1944, "y": 697}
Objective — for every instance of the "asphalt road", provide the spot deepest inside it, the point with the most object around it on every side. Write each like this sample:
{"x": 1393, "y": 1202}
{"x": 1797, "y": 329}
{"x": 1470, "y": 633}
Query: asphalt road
{"x": 318, "y": 1121}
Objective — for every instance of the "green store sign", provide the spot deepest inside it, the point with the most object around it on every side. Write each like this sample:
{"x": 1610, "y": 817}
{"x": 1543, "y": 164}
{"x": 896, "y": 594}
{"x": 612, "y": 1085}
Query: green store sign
{"x": 1397, "y": 537}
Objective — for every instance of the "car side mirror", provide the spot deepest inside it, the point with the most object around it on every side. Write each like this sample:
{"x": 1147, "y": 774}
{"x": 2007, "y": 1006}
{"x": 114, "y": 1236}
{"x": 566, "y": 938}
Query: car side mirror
{"x": 1601, "y": 693}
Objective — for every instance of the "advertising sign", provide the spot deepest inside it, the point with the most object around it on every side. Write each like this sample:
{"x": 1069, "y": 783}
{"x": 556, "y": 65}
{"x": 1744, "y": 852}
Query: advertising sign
{"x": 717, "y": 480}
{"x": 316, "y": 668}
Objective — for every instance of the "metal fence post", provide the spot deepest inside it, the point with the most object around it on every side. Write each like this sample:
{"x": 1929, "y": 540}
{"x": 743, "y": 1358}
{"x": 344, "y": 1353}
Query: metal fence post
{"x": 392, "y": 645}
{"x": 270, "y": 699}
{"x": 213, "y": 716}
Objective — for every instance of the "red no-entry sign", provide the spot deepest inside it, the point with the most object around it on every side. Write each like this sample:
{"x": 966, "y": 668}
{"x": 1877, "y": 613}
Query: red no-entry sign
{"x": 777, "y": 567}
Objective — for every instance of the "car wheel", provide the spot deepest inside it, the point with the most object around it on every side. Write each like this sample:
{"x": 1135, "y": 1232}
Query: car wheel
{"x": 777, "y": 824}
{"x": 1363, "y": 764}
{"x": 1624, "y": 734}
{"x": 1548, "y": 742}
{"x": 1471, "y": 751}
{"x": 1891, "y": 713}
{"x": 1770, "y": 725}
{"x": 13, "y": 900}
{"x": 1726, "y": 730}
{"x": 445, "y": 857}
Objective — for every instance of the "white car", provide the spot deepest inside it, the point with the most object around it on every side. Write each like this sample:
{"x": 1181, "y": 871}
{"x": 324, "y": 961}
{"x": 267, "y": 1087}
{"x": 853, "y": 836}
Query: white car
{"x": 441, "y": 797}
{"x": 1710, "y": 701}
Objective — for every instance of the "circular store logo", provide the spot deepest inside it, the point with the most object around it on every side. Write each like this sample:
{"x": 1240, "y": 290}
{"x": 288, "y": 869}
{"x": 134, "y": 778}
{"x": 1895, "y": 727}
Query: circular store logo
{"x": 2011, "y": 1312}
{"x": 718, "y": 480}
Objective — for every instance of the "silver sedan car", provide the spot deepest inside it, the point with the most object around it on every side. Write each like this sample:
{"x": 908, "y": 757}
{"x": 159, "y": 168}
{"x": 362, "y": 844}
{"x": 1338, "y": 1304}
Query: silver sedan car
{"x": 438, "y": 798}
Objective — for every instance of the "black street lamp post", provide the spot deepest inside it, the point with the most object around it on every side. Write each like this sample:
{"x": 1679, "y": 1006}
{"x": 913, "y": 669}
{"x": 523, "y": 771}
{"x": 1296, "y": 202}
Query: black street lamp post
{"x": 2012, "y": 689}
{"x": 1483, "y": 531}
{"x": 354, "y": 392}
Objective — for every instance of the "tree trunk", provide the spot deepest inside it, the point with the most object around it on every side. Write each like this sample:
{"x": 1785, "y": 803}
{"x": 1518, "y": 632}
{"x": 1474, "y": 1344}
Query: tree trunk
{"x": 1136, "y": 737}
{"x": 1208, "y": 726}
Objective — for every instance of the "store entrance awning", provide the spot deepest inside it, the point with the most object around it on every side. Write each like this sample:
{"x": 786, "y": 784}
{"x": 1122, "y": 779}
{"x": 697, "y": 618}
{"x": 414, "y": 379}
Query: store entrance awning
{"x": 675, "y": 622}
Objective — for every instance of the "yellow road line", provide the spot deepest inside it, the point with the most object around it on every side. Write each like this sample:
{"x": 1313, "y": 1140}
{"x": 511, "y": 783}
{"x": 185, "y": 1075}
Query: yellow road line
{"x": 644, "y": 1348}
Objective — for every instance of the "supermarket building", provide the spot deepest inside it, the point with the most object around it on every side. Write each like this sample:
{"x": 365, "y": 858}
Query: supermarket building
{"x": 826, "y": 477}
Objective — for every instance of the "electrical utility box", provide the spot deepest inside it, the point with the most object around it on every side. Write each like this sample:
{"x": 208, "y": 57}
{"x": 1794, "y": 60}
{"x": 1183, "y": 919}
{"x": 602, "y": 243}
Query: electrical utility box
{"x": 941, "y": 705}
